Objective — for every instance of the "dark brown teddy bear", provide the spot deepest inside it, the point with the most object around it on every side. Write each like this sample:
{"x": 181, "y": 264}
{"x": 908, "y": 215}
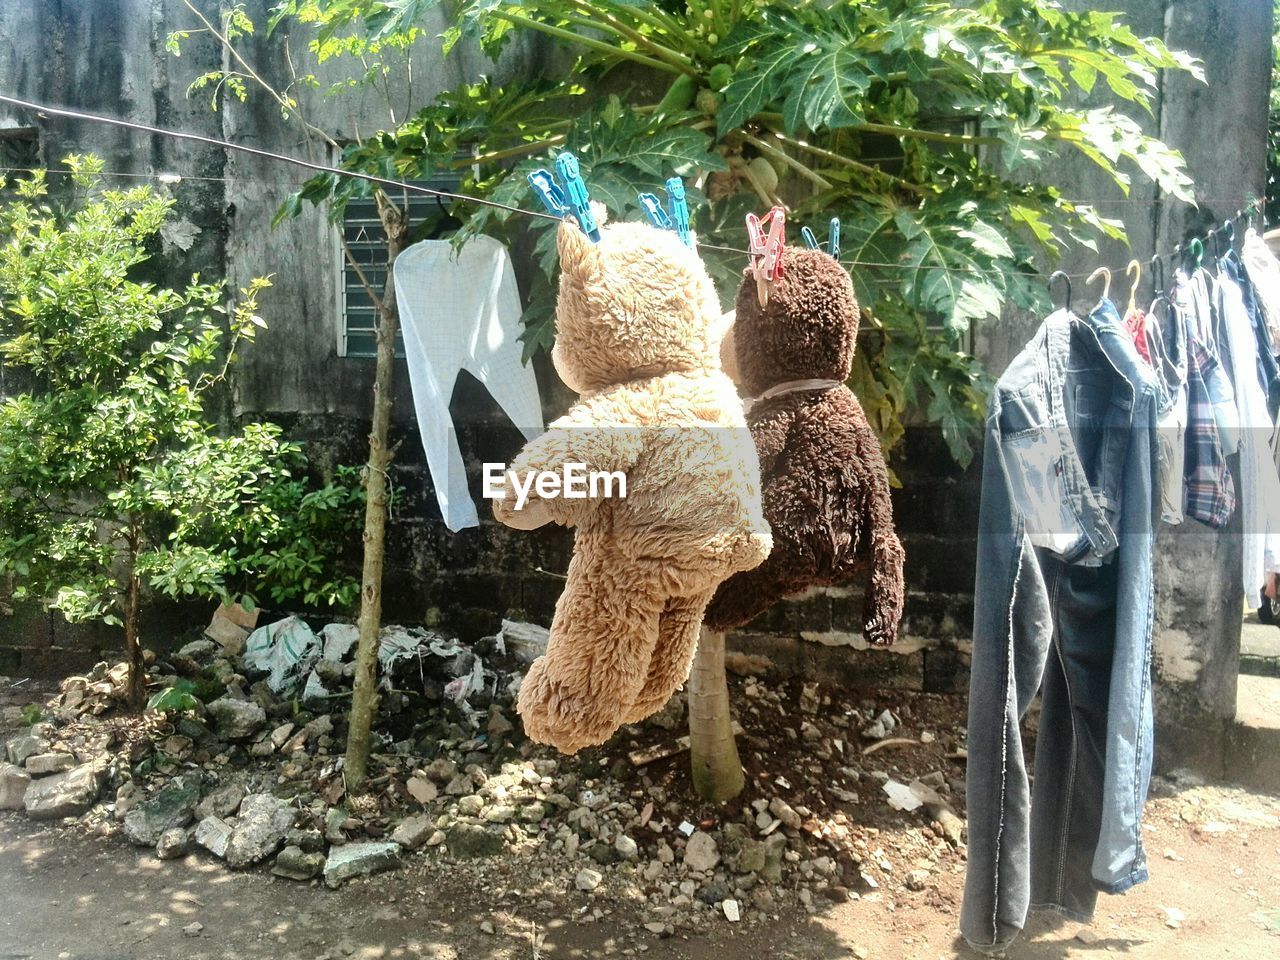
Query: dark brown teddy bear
{"x": 825, "y": 486}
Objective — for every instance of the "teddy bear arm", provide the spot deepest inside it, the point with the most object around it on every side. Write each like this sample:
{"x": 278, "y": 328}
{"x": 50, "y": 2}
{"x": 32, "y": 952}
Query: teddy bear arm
{"x": 886, "y": 590}
{"x": 582, "y": 436}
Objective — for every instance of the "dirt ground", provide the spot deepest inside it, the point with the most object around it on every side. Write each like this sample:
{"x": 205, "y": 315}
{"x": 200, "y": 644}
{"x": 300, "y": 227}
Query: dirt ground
{"x": 1214, "y": 893}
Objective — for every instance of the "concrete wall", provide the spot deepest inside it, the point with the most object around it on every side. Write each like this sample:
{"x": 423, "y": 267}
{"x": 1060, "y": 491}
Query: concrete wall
{"x": 108, "y": 55}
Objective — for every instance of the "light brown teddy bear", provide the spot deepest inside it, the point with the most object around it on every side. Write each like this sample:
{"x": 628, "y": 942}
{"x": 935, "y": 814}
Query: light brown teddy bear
{"x": 637, "y": 336}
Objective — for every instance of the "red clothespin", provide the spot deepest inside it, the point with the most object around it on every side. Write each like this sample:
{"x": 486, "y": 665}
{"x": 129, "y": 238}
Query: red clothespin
{"x": 766, "y": 251}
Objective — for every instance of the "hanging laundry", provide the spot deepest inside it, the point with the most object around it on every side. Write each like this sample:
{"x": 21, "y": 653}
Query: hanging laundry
{"x": 1064, "y": 599}
{"x": 1197, "y": 306}
{"x": 1166, "y": 338}
{"x": 1135, "y": 321}
{"x": 1264, "y": 272}
{"x": 460, "y": 310}
{"x": 1259, "y": 481}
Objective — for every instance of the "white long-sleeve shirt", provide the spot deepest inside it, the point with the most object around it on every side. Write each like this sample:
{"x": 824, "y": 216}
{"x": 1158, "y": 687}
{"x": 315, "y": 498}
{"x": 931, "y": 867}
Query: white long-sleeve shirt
{"x": 460, "y": 310}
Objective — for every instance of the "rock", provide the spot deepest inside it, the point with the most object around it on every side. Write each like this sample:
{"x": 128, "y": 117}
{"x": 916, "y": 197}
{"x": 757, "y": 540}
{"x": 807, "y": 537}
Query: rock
{"x": 809, "y": 699}
{"x": 359, "y": 860}
{"x": 459, "y": 786}
{"x": 750, "y": 857}
{"x": 1173, "y": 917}
{"x": 700, "y": 853}
{"x": 280, "y": 735}
{"x": 442, "y": 770}
{"x": 173, "y": 844}
{"x": 436, "y": 839}
{"x": 193, "y": 929}
{"x": 309, "y": 841}
{"x": 917, "y": 880}
{"x": 13, "y": 786}
{"x": 25, "y": 745}
{"x": 469, "y": 841}
{"x": 198, "y": 649}
{"x": 127, "y": 797}
{"x": 627, "y": 848}
{"x": 533, "y": 812}
{"x": 174, "y": 806}
{"x": 470, "y": 805}
{"x": 588, "y": 879}
{"x": 785, "y": 812}
{"x": 499, "y": 726}
{"x": 731, "y": 910}
{"x": 413, "y": 832}
{"x": 221, "y": 802}
{"x": 213, "y": 834}
{"x": 321, "y": 726}
{"x": 259, "y": 829}
{"x": 43, "y": 764}
{"x": 500, "y": 813}
{"x": 334, "y": 818}
{"x": 714, "y": 892}
{"x": 1087, "y": 936}
{"x": 294, "y": 863}
{"x": 64, "y": 794}
{"x": 486, "y": 927}
{"x": 422, "y": 789}
{"x": 237, "y": 719}
{"x": 774, "y": 847}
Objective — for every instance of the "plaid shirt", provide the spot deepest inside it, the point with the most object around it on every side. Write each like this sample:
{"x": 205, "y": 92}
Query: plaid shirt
{"x": 1210, "y": 492}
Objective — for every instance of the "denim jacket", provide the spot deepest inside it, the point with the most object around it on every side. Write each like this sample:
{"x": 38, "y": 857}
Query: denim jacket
{"x": 1066, "y": 534}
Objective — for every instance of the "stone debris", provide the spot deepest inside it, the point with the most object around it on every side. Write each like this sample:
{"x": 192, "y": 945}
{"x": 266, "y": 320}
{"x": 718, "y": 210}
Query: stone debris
{"x": 237, "y": 719}
{"x": 13, "y": 786}
{"x": 66, "y": 794}
{"x": 256, "y": 777}
{"x": 259, "y": 829}
{"x": 213, "y": 834}
{"x": 42, "y": 764}
{"x": 173, "y": 806}
{"x": 700, "y": 853}
{"x": 358, "y": 860}
{"x": 413, "y": 832}
{"x": 588, "y": 879}
{"x": 294, "y": 863}
{"x": 173, "y": 844}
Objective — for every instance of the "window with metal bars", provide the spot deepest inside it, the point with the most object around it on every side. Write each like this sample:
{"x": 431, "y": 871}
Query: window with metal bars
{"x": 362, "y": 229}
{"x": 19, "y": 152}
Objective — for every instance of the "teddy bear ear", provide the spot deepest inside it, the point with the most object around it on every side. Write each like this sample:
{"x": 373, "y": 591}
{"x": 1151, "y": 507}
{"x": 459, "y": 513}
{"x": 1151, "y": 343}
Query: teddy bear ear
{"x": 575, "y": 247}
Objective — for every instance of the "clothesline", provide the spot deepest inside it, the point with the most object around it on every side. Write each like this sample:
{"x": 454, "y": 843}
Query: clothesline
{"x": 450, "y": 195}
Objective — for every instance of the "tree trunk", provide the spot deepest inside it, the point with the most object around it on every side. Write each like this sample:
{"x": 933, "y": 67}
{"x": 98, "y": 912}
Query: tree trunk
{"x": 136, "y": 693}
{"x": 717, "y": 771}
{"x": 364, "y": 700}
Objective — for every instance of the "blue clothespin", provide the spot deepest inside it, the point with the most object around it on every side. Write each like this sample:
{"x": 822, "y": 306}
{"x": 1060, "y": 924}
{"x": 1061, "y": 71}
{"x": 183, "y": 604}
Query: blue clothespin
{"x": 576, "y": 196}
{"x": 653, "y": 209}
{"x": 809, "y": 239}
{"x": 679, "y": 209}
{"x": 549, "y": 192}
{"x": 833, "y": 238}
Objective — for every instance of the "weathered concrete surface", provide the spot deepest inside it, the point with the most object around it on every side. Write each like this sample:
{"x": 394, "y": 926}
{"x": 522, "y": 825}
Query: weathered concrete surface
{"x": 1220, "y": 126}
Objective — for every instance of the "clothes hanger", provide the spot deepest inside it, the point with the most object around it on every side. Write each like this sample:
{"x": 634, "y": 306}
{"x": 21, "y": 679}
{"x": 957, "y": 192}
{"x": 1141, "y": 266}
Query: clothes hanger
{"x": 1059, "y": 275}
{"x": 1229, "y": 228}
{"x": 1154, "y": 328}
{"x": 1134, "y": 272}
{"x": 1105, "y": 274}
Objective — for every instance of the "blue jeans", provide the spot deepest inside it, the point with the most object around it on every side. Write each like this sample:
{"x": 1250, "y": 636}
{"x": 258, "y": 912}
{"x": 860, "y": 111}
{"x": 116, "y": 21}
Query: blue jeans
{"x": 1064, "y": 607}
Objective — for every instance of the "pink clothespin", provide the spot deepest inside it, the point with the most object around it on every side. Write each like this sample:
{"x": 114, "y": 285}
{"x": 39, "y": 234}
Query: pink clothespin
{"x": 766, "y": 251}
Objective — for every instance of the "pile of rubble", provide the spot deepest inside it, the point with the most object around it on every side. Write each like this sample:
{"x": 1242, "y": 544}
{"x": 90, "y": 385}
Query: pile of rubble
{"x": 845, "y": 799}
